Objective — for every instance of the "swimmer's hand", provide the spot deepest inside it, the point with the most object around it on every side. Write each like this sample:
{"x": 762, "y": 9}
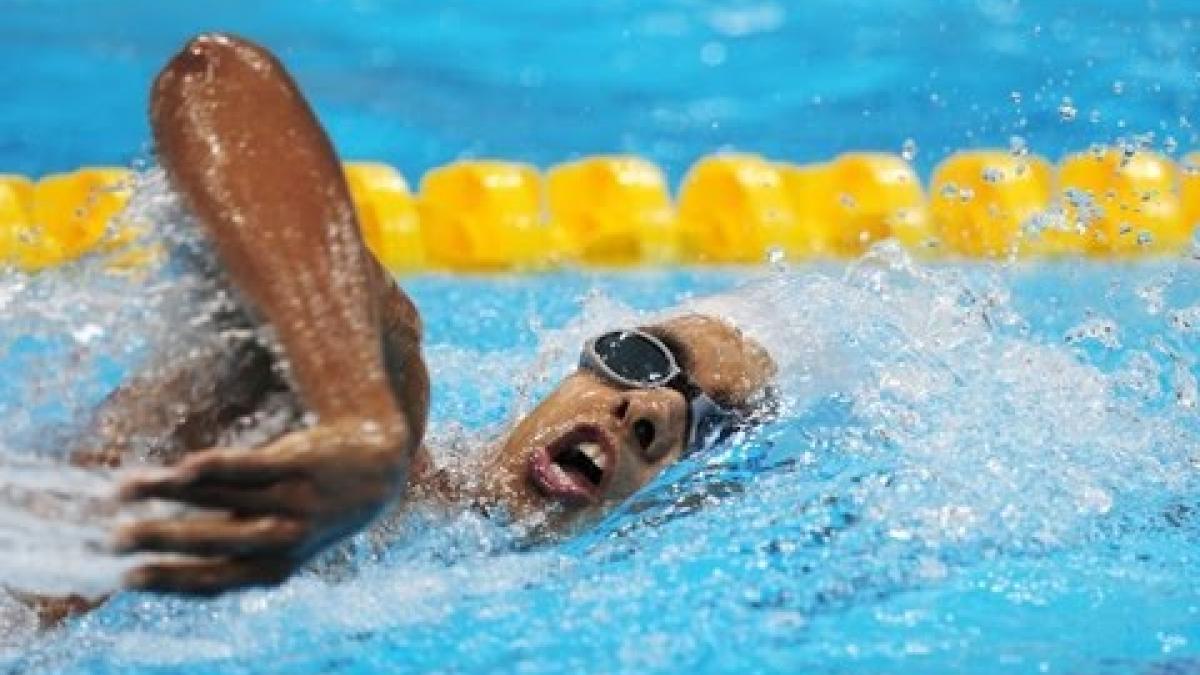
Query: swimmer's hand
{"x": 277, "y": 506}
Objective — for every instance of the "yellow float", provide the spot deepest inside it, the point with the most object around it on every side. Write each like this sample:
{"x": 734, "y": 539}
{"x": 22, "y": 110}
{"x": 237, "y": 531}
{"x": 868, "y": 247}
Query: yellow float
{"x": 1120, "y": 202}
{"x": 387, "y": 214}
{"x": 16, "y": 213}
{"x": 806, "y": 187}
{"x": 613, "y": 210}
{"x": 983, "y": 202}
{"x": 67, "y": 216}
{"x": 1189, "y": 191}
{"x": 734, "y": 209}
{"x": 486, "y": 215}
{"x": 867, "y": 197}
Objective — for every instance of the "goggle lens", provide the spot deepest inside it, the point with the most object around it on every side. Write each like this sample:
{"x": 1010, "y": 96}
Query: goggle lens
{"x": 634, "y": 358}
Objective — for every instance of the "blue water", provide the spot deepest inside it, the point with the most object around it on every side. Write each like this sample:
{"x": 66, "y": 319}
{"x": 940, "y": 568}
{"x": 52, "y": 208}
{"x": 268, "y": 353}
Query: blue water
{"x": 980, "y": 469}
{"x": 419, "y": 84}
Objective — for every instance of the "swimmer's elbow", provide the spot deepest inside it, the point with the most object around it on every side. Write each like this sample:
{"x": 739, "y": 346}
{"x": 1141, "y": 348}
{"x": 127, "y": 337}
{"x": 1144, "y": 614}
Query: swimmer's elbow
{"x": 193, "y": 74}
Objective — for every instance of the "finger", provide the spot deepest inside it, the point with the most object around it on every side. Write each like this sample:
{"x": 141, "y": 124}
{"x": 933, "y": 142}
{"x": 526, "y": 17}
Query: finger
{"x": 238, "y": 467}
{"x": 211, "y": 536}
{"x": 231, "y": 467}
{"x": 209, "y": 576}
{"x": 182, "y": 489}
{"x": 286, "y": 498}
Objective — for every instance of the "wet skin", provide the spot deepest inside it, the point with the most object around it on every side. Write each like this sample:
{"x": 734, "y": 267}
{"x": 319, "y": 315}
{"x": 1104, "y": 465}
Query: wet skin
{"x": 243, "y": 149}
{"x": 639, "y": 431}
{"x": 250, "y": 160}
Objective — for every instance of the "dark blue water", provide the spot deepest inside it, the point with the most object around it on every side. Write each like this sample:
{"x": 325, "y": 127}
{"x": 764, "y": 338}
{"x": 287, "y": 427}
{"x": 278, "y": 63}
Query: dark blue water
{"x": 419, "y": 84}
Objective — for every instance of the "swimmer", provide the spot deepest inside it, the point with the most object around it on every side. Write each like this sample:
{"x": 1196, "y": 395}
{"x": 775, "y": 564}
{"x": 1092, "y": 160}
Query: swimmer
{"x": 251, "y": 162}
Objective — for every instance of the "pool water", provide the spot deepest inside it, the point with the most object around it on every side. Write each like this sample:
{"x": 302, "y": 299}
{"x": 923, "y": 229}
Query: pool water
{"x": 977, "y": 468}
{"x": 419, "y": 84}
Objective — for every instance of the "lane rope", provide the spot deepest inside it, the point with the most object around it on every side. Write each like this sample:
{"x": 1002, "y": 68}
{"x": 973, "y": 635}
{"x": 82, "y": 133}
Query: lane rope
{"x": 618, "y": 211}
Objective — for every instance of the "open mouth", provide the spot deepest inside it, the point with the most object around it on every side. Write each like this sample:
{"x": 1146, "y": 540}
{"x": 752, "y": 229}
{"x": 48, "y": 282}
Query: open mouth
{"x": 574, "y": 468}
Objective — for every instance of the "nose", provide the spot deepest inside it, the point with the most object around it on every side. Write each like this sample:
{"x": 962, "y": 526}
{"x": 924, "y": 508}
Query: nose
{"x": 646, "y": 420}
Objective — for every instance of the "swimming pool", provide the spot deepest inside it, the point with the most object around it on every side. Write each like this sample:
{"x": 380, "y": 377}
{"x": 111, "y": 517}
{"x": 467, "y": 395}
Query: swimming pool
{"x": 981, "y": 469}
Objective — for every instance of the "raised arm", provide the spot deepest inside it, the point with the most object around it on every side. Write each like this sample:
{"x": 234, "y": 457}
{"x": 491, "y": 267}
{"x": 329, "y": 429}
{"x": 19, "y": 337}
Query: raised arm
{"x": 241, "y": 145}
{"x": 249, "y": 158}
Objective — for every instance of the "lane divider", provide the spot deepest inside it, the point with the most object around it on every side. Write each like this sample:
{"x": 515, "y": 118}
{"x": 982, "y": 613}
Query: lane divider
{"x": 732, "y": 208}
{"x": 387, "y": 214}
{"x": 616, "y": 210}
{"x": 1118, "y": 204}
{"x": 983, "y": 202}
{"x": 484, "y": 216}
{"x": 867, "y": 197}
{"x": 612, "y": 210}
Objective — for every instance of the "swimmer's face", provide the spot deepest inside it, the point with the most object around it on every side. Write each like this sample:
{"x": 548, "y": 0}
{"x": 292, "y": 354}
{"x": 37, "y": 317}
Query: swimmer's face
{"x": 591, "y": 444}
{"x": 587, "y": 446}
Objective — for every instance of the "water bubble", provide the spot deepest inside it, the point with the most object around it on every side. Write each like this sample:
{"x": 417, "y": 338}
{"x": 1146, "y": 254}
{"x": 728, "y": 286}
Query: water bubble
{"x": 87, "y": 333}
{"x": 1094, "y": 500}
{"x": 745, "y": 21}
{"x": 992, "y": 175}
{"x": 1067, "y": 110}
{"x": 1185, "y": 386}
{"x": 1017, "y": 146}
{"x": 1185, "y": 319}
{"x": 908, "y": 150}
{"x": 1169, "y": 642}
{"x": 1097, "y": 329}
{"x": 1153, "y": 293}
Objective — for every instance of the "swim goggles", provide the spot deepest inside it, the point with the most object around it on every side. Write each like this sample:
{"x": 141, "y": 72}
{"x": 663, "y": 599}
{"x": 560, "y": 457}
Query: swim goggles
{"x": 636, "y": 359}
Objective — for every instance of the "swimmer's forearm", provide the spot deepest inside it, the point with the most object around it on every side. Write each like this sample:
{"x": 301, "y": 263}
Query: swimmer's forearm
{"x": 403, "y": 361}
{"x": 241, "y": 145}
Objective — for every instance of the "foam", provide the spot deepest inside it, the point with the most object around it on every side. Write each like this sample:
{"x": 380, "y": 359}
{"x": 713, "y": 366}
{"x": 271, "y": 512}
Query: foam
{"x": 72, "y": 335}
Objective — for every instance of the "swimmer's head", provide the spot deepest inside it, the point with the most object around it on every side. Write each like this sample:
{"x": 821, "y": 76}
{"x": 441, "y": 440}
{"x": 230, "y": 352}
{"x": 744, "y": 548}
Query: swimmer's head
{"x": 594, "y": 440}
